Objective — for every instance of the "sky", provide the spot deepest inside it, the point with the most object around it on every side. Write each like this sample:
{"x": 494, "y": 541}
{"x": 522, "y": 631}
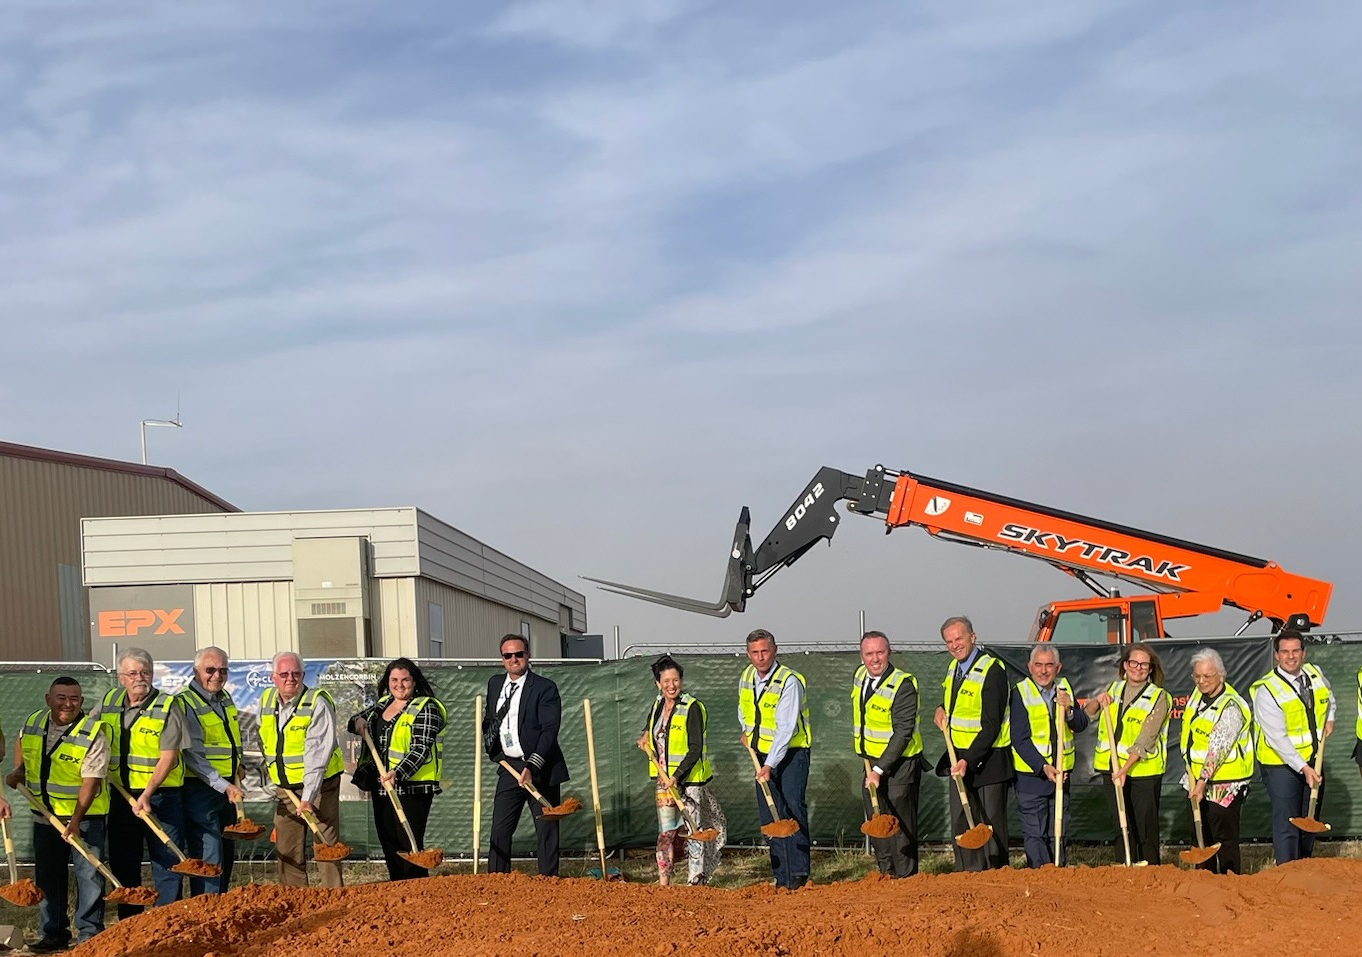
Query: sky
{"x": 584, "y": 278}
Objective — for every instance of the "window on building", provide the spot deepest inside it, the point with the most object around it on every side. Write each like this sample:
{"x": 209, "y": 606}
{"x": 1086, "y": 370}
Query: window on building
{"x": 525, "y": 630}
{"x": 435, "y": 614}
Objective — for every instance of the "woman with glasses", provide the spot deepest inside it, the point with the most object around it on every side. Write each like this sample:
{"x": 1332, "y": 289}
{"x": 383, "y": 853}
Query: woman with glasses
{"x": 405, "y": 724}
{"x": 674, "y": 740}
{"x": 1217, "y": 746}
{"x": 1134, "y": 717}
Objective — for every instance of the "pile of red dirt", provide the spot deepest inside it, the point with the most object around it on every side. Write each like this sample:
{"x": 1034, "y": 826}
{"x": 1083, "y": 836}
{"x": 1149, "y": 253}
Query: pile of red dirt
{"x": 1097, "y": 912}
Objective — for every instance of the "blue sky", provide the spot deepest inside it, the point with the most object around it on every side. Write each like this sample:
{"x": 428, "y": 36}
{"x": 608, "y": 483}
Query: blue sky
{"x": 583, "y": 278}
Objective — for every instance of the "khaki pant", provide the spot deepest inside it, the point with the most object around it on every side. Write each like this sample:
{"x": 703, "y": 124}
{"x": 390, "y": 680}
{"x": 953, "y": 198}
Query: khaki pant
{"x": 290, "y": 830}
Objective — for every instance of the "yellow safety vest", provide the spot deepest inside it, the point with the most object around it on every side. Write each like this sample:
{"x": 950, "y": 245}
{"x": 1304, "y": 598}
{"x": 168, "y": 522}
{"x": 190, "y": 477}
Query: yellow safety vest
{"x": 1043, "y": 725}
{"x": 1127, "y": 728}
{"x": 135, "y": 751}
{"x": 965, "y": 719}
{"x": 749, "y": 706}
{"x": 1298, "y": 726}
{"x": 872, "y": 723}
{"x": 1359, "y": 704}
{"x": 55, "y": 776}
{"x": 1197, "y": 723}
{"x": 284, "y": 751}
{"x": 678, "y": 742}
{"x": 221, "y": 739}
{"x": 400, "y": 741}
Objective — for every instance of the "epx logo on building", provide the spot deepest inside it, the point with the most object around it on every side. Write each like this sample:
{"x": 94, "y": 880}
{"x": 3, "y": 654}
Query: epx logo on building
{"x": 125, "y": 624}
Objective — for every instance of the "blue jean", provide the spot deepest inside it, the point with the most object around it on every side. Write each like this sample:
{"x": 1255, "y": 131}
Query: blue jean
{"x": 51, "y": 855}
{"x": 1290, "y": 797}
{"x": 1036, "y": 809}
{"x": 789, "y": 781}
{"x": 206, "y": 812}
{"x": 129, "y": 838}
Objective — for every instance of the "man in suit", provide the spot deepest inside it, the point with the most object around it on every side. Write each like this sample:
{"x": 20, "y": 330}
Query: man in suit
{"x": 520, "y": 726}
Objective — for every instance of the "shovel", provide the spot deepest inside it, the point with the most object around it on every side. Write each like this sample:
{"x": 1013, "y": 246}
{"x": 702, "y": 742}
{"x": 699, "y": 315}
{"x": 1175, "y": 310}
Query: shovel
{"x": 1308, "y": 823}
{"x": 1200, "y": 854}
{"x": 1120, "y": 794}
{"x": 1059, "y": 785}
{"x": 321, "y": 850}
{"x": 20, "y": 893}
{"x": 477, "y": 780}
{"x": 779, "y": 826}
{"x": 694, "y": 833}
{"x": 976, "y": 835}
{"x": 550, "y": 812}
{"x": 427, "y": 859}
{"x": 138, "y": 896}
{"x": 606, "y": 873}
{"x": 194, "y": 867}
{"x": 879, "y": 825}
{"x": 244, "y": 829}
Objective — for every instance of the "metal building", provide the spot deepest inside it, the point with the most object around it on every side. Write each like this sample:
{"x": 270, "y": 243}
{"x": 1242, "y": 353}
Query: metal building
{"x": 366, "y": 583}
{"x": 43, "y": 496}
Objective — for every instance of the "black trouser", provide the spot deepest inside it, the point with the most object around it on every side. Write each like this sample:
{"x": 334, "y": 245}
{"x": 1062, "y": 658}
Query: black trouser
{"x": 1221, "y": 824}
{"x": 1142, "y": 816}
{"x": 510, "y": 799}
{"x": 393, "y": 838}
{"x": 988, "y": 802}
{"x": 898, "y": 794}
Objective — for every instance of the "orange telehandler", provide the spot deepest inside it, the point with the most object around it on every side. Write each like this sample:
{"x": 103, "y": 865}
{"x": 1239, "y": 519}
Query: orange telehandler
{"x": 1182, "y": 578}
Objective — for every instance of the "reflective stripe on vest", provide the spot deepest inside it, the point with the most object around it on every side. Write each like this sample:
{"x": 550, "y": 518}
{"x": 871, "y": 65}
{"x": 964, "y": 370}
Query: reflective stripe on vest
{"x": 54, "y": 776}
{"x": 872, "y": 723}
{"x": 678, "y": 741}
{"x": 1197, "y": 723}
{"x": 284, "y": 751}
{"x": 1127, "y": 728}
{"x": 135, "y": 750}
{"x": 1043, "y": 725}
{"x": 221, "y": 740}
{"x": 1297, "y": 719}
{"x": 399, "y": 743}
{"x": 966, "y": 717}
{"x": 748, "y": 708}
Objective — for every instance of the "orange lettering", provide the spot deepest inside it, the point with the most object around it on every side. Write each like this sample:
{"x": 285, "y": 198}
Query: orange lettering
{"x": 139, "y": 619}
{"x": 111, "y": 624}
{"x": 167, "y": 623}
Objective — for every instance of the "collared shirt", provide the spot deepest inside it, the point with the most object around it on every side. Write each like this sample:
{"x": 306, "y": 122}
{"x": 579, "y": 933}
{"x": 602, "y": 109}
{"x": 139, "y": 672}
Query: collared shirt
{"x": 789, "y": 706}
{"x": 194, "y": 758}
{"x": 96, "y": 763}
{"x": 173, "y": 735}
{"x": 317, "y": 745}
{"x": 509, "y": 730}
{"x": 1269, "y": 717}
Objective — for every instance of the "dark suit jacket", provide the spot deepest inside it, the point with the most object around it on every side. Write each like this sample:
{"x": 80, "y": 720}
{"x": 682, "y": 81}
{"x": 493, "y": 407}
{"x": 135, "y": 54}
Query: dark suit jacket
{"x": 541, "y": 712}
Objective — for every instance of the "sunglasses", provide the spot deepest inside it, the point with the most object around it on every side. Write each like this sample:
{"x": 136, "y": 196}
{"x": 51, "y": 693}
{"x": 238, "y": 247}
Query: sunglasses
{"x": 508, "y": 655}
{"x": 210, "y": 671}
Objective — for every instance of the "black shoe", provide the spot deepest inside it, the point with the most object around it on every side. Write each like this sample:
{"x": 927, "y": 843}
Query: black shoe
{"x": 698, "y": 881}
{"x": 46, "y": 946}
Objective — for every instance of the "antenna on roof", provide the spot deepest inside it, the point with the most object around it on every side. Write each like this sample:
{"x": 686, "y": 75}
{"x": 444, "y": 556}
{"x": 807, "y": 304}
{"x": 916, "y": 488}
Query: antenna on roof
{"x": 174, "y": 423}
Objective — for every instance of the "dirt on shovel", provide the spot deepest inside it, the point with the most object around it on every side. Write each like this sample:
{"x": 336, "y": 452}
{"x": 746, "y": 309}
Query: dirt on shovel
{"x": 244, "y": 830}
{"x": 196, "y": 868}
{"x": 22, "y": 893}
{"x": 330, "y": 852}
{"x": 559, "y": 811}
{"x": 975, "y": 838}
{"x": 1196, "y": 856}
{"x": 429, "y": 859}
{"x": 784, "y": 827}
{"x": 137, "y": 896}
{"x": 1310, "y": 825}
{"x": 705, "y": 835}
{"x": 880, "y": 826}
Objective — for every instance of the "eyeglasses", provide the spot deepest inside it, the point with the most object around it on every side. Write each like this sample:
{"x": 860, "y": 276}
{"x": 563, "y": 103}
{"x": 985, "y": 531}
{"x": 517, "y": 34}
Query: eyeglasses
{"x": 288, "y": 674}
{"x": 508, "y": 655}
{"x": 135, "y": 674}
{"x": 210, "y": 671}
{"x": 1141, "y": 665}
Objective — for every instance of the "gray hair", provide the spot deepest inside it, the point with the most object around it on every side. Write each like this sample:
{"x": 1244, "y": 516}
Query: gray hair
{"x": 212, "y": 651}
{"x": 274, "y": 662}
{"x": 1211, "y": 657}
{"x": 139, "y": 655}
{"x": 957, "y": 620}
{"x": 1043, "y": 648}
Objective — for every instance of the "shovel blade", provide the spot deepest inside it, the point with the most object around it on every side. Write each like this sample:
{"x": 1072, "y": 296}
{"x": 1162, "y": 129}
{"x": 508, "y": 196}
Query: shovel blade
{"x": 880, "y": 826}
{"x": 1198, "y": 855}
{"x": 704, "y": 835}
{"x": 785, "y": 827}
{"x": 331, "y": 852}
{"x": 428, "y": 859}
{"x": 1310, "y": 825}
{"x": 975, "y": 838}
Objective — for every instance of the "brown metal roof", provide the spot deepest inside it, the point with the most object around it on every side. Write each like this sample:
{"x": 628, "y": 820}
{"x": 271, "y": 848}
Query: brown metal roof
{"x": 113, "y": 465}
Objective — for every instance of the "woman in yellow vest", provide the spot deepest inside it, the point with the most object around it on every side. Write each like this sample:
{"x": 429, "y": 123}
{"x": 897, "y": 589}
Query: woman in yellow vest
{"x": 1217, "y": 748}
{"x": 1134, "y": 710}
{"x": 675, "y": 734}
{"x": 406, "y": 724}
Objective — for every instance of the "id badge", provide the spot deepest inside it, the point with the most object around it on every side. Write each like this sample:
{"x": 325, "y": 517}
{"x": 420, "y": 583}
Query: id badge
{"x": 506, "y": 740}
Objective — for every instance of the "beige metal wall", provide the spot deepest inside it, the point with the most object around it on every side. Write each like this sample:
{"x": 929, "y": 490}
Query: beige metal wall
{"x": 474, "y": 625}
{"x": 246, "y": 619}
{"x": 41, "y": 505}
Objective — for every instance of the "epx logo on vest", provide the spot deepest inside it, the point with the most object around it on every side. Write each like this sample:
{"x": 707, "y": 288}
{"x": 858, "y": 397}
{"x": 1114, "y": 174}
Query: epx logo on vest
{"x": 126, "y": 624}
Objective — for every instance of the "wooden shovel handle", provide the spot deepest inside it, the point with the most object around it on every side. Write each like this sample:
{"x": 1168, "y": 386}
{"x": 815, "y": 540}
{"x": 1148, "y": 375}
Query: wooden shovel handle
{"x": 1059, "y": 779}
{"x": 1120, "y": 794}
{"x": 73, "y": 840}
{"x": 672, "y": 792}
{"x": 874, "y": 797}
{"x": 307, "y": 817}
{"x": 595, "y": 788}
{"x": 959, "y": 781}
{"x": 477, "y": 780}
{"x": 149, "y": 819}
{"x": 534, "y": 793}
{"x": 9, "y": 851}
{"x": 765, "y": 788}
{"x": 387, "y": 786}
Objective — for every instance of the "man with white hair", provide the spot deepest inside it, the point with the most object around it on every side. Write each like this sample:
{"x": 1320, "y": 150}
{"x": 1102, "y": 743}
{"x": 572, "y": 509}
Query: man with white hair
{"x": 298, "y": 737}
{"x": 1040, "y": 762}
{"x": 212, "y": 758}
{"x": 1217, "y": 748}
